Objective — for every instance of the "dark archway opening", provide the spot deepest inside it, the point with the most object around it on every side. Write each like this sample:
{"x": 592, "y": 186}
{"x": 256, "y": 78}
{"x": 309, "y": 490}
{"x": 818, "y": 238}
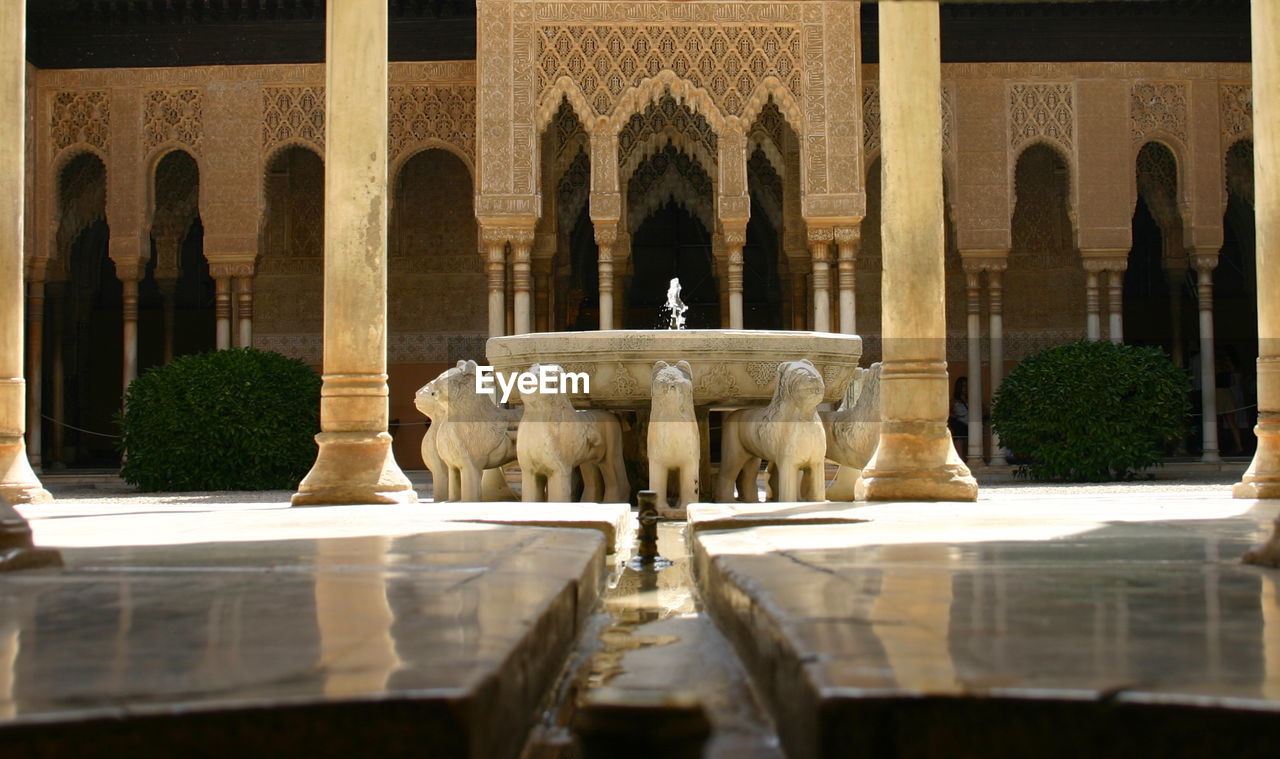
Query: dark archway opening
{"x": 670, "y": 243}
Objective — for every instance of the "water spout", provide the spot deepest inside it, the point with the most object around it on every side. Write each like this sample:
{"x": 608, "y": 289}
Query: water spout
{"x": 674, "y": 308}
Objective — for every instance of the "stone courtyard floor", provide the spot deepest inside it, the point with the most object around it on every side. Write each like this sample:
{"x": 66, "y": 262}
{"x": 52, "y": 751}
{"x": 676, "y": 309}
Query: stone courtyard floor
{"x": 1113, "y": 620}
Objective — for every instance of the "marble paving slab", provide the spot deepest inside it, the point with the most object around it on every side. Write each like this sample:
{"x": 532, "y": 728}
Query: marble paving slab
{"x": 155, "y": 519}
{"x": 1103, "y": 624}
{"x": 437, "y": 643}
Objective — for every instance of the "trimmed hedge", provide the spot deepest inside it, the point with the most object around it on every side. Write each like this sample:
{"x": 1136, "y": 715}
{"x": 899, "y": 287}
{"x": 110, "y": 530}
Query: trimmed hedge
{"x": 1091, "y": 411}
{"x": 239, "y": 419}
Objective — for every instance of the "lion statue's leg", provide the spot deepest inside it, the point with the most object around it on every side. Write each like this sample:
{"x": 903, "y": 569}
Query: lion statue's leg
{"x": 688, "y": 485}
{"x": 529, "y": 490}
{"x": 815, "y": 481}
{"x": 560, "y": 484}
{"x": 455, "y": 483}
{"x": 592, "y": 482}
{"x": 788, "y": 482}
{"x": 732, "y": 457}
{"x": 439, "y": 472}
{"x": 658, "y": 474}
{"x": 471, "y": 490}
{"x": 749, "y": 481}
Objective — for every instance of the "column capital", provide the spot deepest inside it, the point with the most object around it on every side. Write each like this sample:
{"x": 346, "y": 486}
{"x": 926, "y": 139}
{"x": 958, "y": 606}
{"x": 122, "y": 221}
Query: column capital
{"x": 975, "y": 261}
{"x": 219, "y": 269}
{"x": 846, "y": 236}
{"x": 1104, "y": 260}
{"x": 606, "y": 232}
{"x": 735, "y": 233}
{"x": 1204, "y": 260}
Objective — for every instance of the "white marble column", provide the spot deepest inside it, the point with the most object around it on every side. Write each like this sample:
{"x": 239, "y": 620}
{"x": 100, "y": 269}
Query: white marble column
{"x": 493, "y": 242}
{"x": 915, "y": 458}
{"x": 995, "y": 306}
{"x": 1115, "y": 302}
{"x": 1092, "y": 304}
{"x": 18, "y": 482}
{"x": 847, "y": 239}
{"x": 735, "y": 237}
{"x": 820, "y": 279}
{"x": 130, "y": 274}
{"x": 244, "y": 311}
{"x": 355, "y": 464}
{"x": 222, "y": 311}
{"x": 973, "y": 293}
{"x": 522, "y": 280}
{"x": 1204, "y": 264}
{"x": 606, "y": 233}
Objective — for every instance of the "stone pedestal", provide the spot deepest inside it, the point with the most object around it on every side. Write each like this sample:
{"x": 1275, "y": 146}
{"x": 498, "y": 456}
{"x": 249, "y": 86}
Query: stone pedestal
{"x": 355, "y": 464}
{"x": 1262, "y": 480}
{"x": 915, "y": 458}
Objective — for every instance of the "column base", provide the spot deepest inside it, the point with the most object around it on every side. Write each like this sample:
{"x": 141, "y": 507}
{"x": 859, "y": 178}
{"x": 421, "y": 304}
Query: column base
{"x": 18, "y": 481}
{"x": 951, "y": 481}
{"x": 17, "y": 551}
{"x": 1262, "y": 478}
{"x": 354, "y": 468}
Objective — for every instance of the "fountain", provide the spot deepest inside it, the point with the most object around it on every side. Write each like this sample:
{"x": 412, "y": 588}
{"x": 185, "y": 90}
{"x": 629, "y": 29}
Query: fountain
{"x": 674, "y": 307}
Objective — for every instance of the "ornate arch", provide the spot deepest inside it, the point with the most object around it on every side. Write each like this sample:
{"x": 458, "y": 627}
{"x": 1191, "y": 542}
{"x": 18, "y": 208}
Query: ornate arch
{"x": 563, "y": 90}
{"x": 430, "y": 143}
{"x": 670, "y": 174}
{"x": 74, "y": 215}
{"x": 660, "y": 124}
{"x": 1234, "y": 181}
{"x": 1160, "y": 179}
{"x": 651, "y": 89}
{"x": 1062, "y": 155}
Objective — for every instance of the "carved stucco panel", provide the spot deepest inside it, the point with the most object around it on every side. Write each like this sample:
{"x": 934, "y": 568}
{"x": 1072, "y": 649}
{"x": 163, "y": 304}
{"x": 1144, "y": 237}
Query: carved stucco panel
{"x": 292, "y": 113}
{"x": 421, "y": 114}
{"x": 80, "y": 117}
{"x": 1236, "y": 101}
{"x": 174, "y": 115}
{"x": 1158, "y": 107}
{"x": 1042, "y": 111}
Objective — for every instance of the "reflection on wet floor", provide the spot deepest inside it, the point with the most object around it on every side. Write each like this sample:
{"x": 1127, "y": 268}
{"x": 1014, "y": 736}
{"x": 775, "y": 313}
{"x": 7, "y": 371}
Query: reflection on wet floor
{"x": 656, "y": 639}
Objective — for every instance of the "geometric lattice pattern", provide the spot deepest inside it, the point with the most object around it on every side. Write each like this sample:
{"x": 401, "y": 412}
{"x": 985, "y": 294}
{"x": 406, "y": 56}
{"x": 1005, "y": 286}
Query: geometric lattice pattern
{"x": 292, "y": 113}
{"x": 422, "y": 112}
{"x": 1041, "y": 111}
{"x": 173, "y": 116}
{"x": 871, "y": 119}
{"x": 1158, "y": 107}
{"x": 1237, "y": 111}
{"x": 80, "y": 116}
{"x": 727, "y": 61}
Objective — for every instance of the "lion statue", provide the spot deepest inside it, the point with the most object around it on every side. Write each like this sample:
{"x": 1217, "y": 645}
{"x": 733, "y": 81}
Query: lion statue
{"x": 469, "y": 436}
{"x": 787, "y": 433}
{"x": 555, "y": 438}
{"x": 673, "y": 432}
{"x": 853, "y": 431}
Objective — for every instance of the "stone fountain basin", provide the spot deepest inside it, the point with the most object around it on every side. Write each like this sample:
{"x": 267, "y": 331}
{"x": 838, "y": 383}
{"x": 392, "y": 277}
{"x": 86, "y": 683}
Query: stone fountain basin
{"x": 731, "y": 367}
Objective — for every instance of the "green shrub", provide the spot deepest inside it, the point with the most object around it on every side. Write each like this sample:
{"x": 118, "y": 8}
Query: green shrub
{"x": 1091, "y": 411}
{"x": 239, "y": 419}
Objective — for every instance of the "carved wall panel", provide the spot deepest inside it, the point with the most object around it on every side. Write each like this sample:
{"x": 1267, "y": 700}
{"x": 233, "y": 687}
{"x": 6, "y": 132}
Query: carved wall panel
{"x": 80, "y": 117}
{"x": 292, "y": 113}
{"x": 1236, "y": 102}
{"x": 174, "y": 115}
{"x": 1158, "y": 107}
{"x": 871, "y": 120}
{"x": 727, "y": 61}
{"x": 1041, "y": 111}
{"x": 422, "y": 113}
